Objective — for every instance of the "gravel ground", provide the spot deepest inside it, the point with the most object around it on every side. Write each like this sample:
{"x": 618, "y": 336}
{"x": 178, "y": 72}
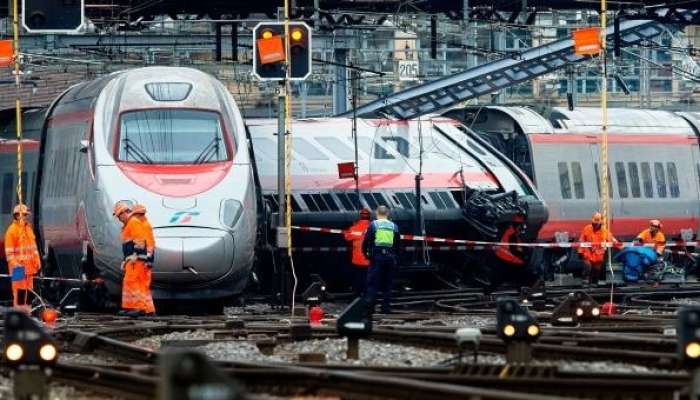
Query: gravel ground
{"x": 57, "y": 391}
{"x": 154, "y": 342}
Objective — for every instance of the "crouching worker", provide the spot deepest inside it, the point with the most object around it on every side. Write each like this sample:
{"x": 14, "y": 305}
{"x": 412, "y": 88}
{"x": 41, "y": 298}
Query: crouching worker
{"x": 511, "y": 261}
{"x": 137, "y": 247}
{"x": 381, "y": 246}
{"x": 23, "y": 261}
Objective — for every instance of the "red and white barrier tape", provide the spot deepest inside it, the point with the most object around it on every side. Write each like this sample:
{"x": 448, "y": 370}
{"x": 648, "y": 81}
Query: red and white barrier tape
{"x": 327, "y": 249}
{"x": 483, "y": 245}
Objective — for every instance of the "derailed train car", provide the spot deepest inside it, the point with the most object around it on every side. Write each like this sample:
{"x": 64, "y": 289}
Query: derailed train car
{"x": 466, "y": 188}
{"x": 654, "y": 167}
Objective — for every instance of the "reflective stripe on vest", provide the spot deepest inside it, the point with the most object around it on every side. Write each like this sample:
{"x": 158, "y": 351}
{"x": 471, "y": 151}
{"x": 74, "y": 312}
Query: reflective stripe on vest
{"x": 384, "y": 233}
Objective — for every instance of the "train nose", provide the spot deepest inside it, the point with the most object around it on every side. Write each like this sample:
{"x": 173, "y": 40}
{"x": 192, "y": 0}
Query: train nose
{"x": 192, "y": 255}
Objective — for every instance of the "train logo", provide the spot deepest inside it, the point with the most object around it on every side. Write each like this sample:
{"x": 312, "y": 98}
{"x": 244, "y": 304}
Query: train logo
{"x": 183, "y": 217}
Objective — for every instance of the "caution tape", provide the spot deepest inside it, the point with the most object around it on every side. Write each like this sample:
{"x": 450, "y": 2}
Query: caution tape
{"x": 485, "y": 245}
{"x": 328, "y": 249}
{"x": 56, "y": 279}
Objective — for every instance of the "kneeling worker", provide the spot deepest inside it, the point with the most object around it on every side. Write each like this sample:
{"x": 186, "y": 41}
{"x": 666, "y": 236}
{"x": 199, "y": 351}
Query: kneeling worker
{"x": 137, "y": 248}
{"x": 23, "y": 261}
{"x": 381, "y": 246}
{"x": 511, "y": 262}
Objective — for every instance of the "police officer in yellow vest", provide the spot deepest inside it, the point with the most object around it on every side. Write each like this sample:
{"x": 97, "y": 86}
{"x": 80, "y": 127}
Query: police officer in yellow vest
{"x": 381, "y": 246}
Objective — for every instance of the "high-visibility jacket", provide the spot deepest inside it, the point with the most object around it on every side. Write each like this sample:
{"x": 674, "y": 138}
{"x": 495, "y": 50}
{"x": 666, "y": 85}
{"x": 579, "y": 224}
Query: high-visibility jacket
{"x": 382, "y": 234}
{"x": 596, "y": 253}
{"x": 137, "y": 239}
{"x": 356, "y": 234}
{"x": 20, "y": 247}
{"x": 23, "y": 261}
{"x": 659, "y": 240}
{"x": 512, "y": 254}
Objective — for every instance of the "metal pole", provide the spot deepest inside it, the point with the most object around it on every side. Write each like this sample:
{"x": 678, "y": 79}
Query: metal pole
{"x": 281, "y": 152}
{"x": 217, "y": 50}
{"x": 18, "y": 103}
{"x": 234, "y": 42}
{"x": 354, "y": 82}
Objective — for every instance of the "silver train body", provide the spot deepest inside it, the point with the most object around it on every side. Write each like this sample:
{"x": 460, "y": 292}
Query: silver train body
{"x": 169, "y": 138}
{"x": 654, "y": 164}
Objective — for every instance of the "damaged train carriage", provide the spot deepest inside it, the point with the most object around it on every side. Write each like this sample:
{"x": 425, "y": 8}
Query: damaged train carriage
{"x": 466, "y": 189}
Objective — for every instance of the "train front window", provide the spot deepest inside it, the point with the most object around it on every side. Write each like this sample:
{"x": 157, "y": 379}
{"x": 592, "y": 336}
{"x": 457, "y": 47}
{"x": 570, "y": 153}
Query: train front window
{"x": 171, "y": 136}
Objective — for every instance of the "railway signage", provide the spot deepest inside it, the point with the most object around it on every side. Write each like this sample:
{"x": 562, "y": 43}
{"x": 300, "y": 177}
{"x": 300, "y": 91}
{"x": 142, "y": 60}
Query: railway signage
{"x": 346, "y": 170}
{"x": 6, "y": 53}
{"x": 408, "y": 70}
{"x": 51, "y": 16}
{"x": 587, "y": 41}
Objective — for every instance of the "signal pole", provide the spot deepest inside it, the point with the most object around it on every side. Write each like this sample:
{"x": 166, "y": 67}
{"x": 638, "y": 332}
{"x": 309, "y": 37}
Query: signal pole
{"x": 18, "y": 103}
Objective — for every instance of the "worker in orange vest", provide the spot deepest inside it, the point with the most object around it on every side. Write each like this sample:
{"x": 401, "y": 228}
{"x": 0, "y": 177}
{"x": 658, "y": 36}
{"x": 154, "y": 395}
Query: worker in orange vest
{"x": 356, "y": 234}
{"x": 654, "y": 235}
{"x": 511, "y": 261}
{"x": 23, "y": 261}
{"x": 138, "y": 245}
{"x": 594, "y": 255}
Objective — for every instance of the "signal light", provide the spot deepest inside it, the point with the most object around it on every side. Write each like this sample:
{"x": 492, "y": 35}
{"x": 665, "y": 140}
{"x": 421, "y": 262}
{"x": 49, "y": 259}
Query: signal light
{"x": 688, "y": 332}
{"x": 14, "y": 352}
{"x": 533, "y": 330}
{"x": 48, "y": 352}
{"x": 270, "y": 53}
{"x": 27, "y": 343}
{"x": 579, "y": 312}
{"x": 509, "y": 330}
{"x": 692, "y": 350}
{"x": 595, "y": 311}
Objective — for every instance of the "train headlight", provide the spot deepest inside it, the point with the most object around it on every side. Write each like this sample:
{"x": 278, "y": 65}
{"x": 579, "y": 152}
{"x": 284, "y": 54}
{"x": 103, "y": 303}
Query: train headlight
{"x": 14, "y": 352}
{"x": 48, "y": 352}
{"x": 231, "y": 212}
{"x": 533, "y": 330}
{"x": 692, "y": 350}
{"x": 509, "y": 330}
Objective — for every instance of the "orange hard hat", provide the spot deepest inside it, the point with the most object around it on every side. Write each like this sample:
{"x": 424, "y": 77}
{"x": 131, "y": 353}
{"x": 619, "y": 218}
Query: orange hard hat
{"x": 120, "y": 207}
{"x": 20, "y": 209}
{"x": 138, "y": 209}
{"x": 365, "y": 214}
{"x": 597, "y": 218}
{"x": 655, "y": 223}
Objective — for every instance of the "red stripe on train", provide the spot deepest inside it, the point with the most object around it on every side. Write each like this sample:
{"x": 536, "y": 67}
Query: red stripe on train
{"x": 621, "y": 227}
{"x": 574, "y": 138}
{"x": 10, "y": 146}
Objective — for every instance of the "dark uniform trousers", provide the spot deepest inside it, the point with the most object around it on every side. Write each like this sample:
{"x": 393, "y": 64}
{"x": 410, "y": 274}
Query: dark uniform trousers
{"x": 381, "y": 276}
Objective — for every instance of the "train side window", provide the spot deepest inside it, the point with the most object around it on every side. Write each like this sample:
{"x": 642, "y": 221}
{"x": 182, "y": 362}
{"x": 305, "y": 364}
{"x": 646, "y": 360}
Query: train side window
{"x": 673, "y": 180}
{"x": 370, "y": 200}
{"x": 354, "y": 200}
{"x": 346, "y": 202}
{"x": 405, "y": 202}
{"x": 646, "y": 180}
{"x": 621, "y": 179}
{"x": 578, "y": 180}
{"x": 447, "y": 199}
{"x": 399, "y": 144}
{"x": 320, "y": 202}
{"x": 564, "y": 180}
{"x": 379, "y": 198}
{"x": 660, "y": 176}
{"x": 634, "y": 180}
{"x": 337, "y": 147}
{"x": 307, "y": 150}
{"x": 7, "y": 193}
{"x": 310, "y": 204}
{"x": 436, "y": 200}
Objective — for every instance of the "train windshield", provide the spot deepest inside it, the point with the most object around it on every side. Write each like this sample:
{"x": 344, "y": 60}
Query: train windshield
{"x": 171, "y": 136}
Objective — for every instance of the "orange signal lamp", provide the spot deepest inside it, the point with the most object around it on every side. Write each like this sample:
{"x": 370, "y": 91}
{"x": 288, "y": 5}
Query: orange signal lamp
{"x": 49, "y": 316}
{"x": 297, "y": 35}
{"x": 267, "y": 34}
